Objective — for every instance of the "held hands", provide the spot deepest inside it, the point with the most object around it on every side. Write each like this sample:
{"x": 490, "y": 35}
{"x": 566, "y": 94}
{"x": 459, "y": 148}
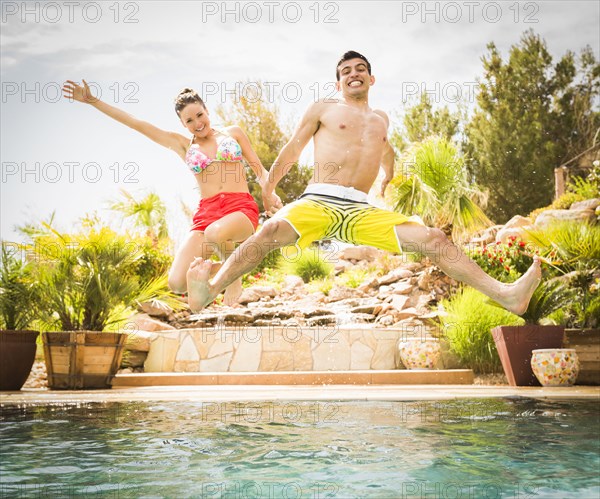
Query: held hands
{"x": 73, "y": 91}
{"x": 271, "y": 202}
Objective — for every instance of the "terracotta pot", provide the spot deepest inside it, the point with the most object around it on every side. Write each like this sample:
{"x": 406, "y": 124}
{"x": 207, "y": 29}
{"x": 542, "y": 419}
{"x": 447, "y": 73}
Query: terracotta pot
{"x": 17, "y": 353}
{"x": 515, "y": 344}
{"x": 555, "y": 366}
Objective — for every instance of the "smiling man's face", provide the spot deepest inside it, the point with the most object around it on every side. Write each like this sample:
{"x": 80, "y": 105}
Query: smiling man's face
{"x": 355, "y": 79}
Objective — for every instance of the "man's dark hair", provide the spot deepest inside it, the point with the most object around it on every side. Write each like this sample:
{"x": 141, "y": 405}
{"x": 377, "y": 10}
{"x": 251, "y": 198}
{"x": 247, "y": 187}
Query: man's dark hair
{"x": 351, "y": 54}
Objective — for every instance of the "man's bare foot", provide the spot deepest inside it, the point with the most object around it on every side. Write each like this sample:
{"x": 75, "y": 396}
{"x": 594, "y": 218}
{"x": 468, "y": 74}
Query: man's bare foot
{"x": 198, "y": 274}
{"x": 233, "y": 292}
{"x": 520, "y": 291}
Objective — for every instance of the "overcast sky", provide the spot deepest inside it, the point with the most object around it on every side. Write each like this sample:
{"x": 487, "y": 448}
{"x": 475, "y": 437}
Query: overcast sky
{"x": 70, "y": 158}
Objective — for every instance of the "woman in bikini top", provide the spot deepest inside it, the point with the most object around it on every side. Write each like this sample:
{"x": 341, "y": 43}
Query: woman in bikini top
{"x": 227, "y": 213}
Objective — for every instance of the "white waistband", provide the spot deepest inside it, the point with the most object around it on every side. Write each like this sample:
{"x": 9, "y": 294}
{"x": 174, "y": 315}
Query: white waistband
{"x": 338, "y": 191}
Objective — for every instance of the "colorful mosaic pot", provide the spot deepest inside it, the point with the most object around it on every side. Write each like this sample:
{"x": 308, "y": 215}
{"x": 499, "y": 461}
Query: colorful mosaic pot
{"x": 555, "y": 366}
{"x": 417, "y": 353}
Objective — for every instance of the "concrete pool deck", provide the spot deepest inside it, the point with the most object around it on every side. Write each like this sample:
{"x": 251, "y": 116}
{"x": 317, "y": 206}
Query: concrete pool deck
{"x": 255, "y": 393}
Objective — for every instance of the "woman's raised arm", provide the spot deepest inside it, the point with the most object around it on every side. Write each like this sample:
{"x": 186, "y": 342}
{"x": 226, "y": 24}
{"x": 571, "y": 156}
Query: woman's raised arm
{"x": 170, "y": 140}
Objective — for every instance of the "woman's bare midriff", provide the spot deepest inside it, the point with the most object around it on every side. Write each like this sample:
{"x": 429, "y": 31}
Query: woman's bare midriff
{"x": 221, "y": 176}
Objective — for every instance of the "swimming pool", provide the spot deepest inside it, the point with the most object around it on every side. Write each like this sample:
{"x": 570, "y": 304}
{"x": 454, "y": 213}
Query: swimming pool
{"x": 461, "y": 448}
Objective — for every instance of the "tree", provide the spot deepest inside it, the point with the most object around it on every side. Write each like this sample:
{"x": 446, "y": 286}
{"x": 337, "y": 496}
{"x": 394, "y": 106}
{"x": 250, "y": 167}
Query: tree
{"x": 421, "y": 122}
{"x": 435, "y": 186}
{"x": 532, "y": 115}
{"x": 261, "y": 122}
{"x": 148, "y": 213}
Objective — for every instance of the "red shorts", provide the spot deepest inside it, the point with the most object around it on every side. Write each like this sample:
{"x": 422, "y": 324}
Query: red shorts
{"x": 216, "y": 207}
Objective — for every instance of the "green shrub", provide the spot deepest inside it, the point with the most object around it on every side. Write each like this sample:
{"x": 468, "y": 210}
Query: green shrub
{"x": 323, "y": 285}
{"x": 309, "y": 265}
{"x": 570, "y": 243}
{"x": 155, "y": 260}
{"x": 467, "y": 326}
{"x": 353, "y": 278}
{"x": 589, "y": 187}
{"x": 574, "y": 249}
{"x": 89, "y": 280}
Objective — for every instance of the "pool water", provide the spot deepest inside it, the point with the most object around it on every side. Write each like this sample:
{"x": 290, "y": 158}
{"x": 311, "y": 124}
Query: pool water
{"x": 517, "y": 448}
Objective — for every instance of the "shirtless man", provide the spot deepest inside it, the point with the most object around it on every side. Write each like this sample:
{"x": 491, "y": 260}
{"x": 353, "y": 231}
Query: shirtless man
{"x": 350, "y": 141}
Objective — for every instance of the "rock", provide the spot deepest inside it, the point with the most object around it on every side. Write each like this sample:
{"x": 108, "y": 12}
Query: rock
{"x": 133, "y": 358}
{"x": 262, "y": 305}
{"x": 340, "y": 293}
{"x": 143, "y": 322}
{"x": 266, "y": 323}
{"x": 238, "y": 317}
{"x": 488, "y": 235}
{"x": 548, "y": 216}
{"x": 271, "y": 314}
{"x": 293, "y": 284}
{"x": 588, "y": 204}
{"x": 517, "y": 221}
{"x": 349, "y": 302}
{"x": 139, "y": 340}
{"x": 359, "y": 253}
{"x": 412, "y": 266}
{"x": 516, "y": 226}
{"x": 394, "y": 276}
{"x": 424, "y": 280}
{"x": 255, "y": 293}
{"x": 313, "y": 312}
{"x": 322, "y": 320}
{"x": 204, "y": 318}
{"x": 156, "y": 308}
{"x": 342, "y": 266}
{"x": 504, "y": 235}
{"x": 373, "y": 283}
{"x": 386, "y": 320}
{"x": 382, "y": 309}
{"x": 363, "y": 309}
{"x": 407, "y": 313}
{"x": 399, "y": 301}
{"x": 402, "y": 288}
{"x": 422, "y": 302}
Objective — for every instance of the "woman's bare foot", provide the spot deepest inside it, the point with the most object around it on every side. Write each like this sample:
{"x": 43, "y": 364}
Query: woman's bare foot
{"x": 519, "y": 293}
{"x": 197, "y": 284}
{"x": 233, "y": 292}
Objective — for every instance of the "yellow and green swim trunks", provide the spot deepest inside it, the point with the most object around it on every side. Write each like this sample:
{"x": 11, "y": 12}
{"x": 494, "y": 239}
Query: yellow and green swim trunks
{"x": 328, "y": 211}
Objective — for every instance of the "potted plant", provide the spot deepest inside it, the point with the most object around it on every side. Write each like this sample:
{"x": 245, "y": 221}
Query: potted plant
{"x": 18, "y": 298}
{"x": 576, "y": 247}
{"x": 88, "y": 283}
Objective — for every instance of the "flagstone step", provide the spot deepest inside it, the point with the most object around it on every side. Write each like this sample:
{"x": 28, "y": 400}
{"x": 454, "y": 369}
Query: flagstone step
{"x": 366, "y": 377}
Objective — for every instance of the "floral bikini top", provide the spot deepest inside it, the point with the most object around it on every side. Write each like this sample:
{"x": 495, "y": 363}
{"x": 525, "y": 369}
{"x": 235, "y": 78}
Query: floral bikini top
{"x": 227, "y": 150}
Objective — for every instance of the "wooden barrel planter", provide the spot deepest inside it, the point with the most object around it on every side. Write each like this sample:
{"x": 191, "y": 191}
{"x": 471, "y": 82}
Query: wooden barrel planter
{"x": 82, "y": 359}
{"x": 586, "y": 343}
